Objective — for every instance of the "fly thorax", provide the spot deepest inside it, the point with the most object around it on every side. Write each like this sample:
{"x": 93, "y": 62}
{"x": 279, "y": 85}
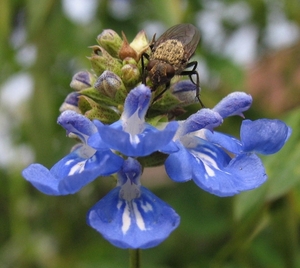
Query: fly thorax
{"x": 160, "y": 72}
{"x": 170, "y": 51}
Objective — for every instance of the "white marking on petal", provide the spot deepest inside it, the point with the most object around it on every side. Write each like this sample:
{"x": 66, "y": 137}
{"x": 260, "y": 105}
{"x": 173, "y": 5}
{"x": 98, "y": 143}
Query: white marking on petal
{"x": 138, "y": 217}
{"x": 134, "y": 140}
{"x": 207, "y": 159}
{"x": 209, "y": 151}
{"x": 78, "y": 168}
{"x": 74, "y": 133}
{"x": 188, "y": 141}
{"x": 133, "y": 125}
{"x": 86, "y": 151}
{"x": 209, "y": 171}
{"x": 129, "y": 191}
{"x": 200, "y": 133}
{"x": 126, "y": 220}
{"x": 69, "y": 162}
{"x": 119, "y": 204}
{"x": 209, "y": 163}
{"x": 147, "y": 207}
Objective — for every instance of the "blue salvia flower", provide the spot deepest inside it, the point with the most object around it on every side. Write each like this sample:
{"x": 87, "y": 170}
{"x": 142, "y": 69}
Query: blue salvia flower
{"x": 131, "y": 135}
{"x": 203, "y": 155}
{"x": 130, "y": 216}
{"x": 80, "y": 167}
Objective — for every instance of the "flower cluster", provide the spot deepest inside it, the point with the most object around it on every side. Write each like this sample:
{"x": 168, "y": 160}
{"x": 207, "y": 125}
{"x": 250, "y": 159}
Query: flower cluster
{"x": 122, "y": 131}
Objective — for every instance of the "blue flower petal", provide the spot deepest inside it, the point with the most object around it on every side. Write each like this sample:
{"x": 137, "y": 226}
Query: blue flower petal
{"x": 179, "y": 165}
{"x": 77, "y": 124}
{"x": 95, "y": 140}
{"x": 41, "y": 178}
{"x": 204, "y": 118}
{"x": 244, "y": 172}
{"x": 228, "y": 142}
{"x": 143, "y": 222}
{"x": 212, "y": 169}
{"x": 130, "y": 135}
{"x": 72, "y": 172}
{"x": 137, "y": 100}
{"x": 170, "y": 148}
{"x": 145, "y": 143}
{"x": 264, "y": 136}
{"x": 234, "y": 104}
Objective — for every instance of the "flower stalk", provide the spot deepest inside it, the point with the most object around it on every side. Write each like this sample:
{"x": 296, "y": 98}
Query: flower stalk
{"x": 134, "y": 258}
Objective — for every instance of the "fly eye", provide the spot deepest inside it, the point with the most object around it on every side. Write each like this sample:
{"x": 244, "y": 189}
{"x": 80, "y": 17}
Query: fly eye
{"x": 151, "y": 65}
{"x": 170, "y": 72}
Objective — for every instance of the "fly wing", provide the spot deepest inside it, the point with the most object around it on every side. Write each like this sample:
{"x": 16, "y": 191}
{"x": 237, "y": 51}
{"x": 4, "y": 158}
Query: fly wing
{"x": 187, "y": 34}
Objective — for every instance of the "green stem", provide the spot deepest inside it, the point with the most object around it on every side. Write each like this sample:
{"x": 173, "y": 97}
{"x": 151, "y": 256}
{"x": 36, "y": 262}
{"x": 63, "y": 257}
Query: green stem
{"x": 135, "y": 258}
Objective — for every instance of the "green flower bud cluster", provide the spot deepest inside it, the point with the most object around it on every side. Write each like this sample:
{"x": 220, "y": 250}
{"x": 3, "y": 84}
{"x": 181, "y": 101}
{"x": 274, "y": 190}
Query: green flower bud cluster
{"x": 117, "y": 69}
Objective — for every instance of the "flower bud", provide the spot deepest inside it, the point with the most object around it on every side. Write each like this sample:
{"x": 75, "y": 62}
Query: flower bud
{"x": 108, "y": 84}
{"x": 70, "y": 103}
{"x": 185, "y": 91}
{"x": 140, "y": 43}
{"x": 110, "y": 41}
{"x": 82, "y": 80}
{"x": 130, "y": 75}
{"x": 102, "y": 61}
{"x": 126, "y": 50}
{"x": 129, "y": 60}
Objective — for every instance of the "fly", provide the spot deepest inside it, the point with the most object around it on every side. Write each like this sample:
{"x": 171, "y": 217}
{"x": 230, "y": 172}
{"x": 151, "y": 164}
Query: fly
{"x": 170, "y": 55}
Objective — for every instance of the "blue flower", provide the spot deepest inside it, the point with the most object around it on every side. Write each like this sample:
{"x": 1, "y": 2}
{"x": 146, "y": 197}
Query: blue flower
{"x": 131, "y": 135}
{"x": 130, "y": 216}
{"x": 203, "y": 155}
{"x": 80, "y": 167}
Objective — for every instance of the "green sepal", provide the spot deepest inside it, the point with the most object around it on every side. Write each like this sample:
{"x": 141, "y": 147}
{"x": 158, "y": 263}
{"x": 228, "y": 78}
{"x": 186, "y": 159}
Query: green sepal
{"x": 154, "y": 121}
{"x": 100, "y": 98}
{"x": 131, "y": 76}
{"x": 93, "y": 110}
{"x": 109, "y": 84}
{"x": 166, "y": 103}
{"x": 110, "y": 41}
{"x": 101, "y": 61}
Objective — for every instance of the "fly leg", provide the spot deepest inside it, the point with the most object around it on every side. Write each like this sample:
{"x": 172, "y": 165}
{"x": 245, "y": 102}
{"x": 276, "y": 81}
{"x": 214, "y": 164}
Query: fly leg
{"x": 144, "y": 73}
{"x": 162, "y": 92}
{"x": 143, "y": 56}
{"x": 194, "y": 72}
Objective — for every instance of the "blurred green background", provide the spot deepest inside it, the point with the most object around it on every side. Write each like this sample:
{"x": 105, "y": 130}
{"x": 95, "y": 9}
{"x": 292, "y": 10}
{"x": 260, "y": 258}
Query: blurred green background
{"x": 250, "y": 46}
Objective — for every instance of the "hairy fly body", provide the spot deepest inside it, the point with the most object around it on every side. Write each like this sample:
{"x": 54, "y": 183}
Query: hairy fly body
{"x": 170, "y": 55}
